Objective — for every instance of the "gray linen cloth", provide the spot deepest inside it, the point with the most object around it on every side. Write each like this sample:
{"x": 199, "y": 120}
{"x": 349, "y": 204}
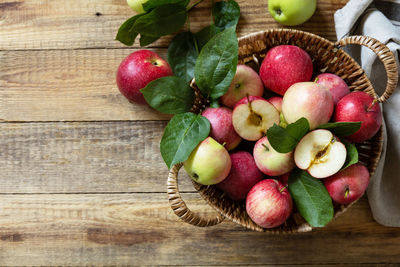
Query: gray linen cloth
{"x": 379, "y": 19}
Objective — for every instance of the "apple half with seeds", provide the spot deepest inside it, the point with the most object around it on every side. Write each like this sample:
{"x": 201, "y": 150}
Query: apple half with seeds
{"x": 252, "y": 117}
{"x": 320, "y": 153}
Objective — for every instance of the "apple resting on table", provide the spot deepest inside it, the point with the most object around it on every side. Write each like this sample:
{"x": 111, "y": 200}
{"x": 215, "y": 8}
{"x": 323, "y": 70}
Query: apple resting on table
{"x": 359, "y": 106}
{"x": 252, "y": 116}
{"x": 137, "y": 70}
{"x": 285, "y": 65}
{"x": 309, "y": 100}
{"x": 291, "y": 12}
{"x": 269, "y": 203}
{"x": 349, "y": 184}
{"x": 243, "y": 176}
{"x": 245, "y": 83}
{"x": 271, "y": 162}
{"x": 334, "y": 84}
{"x": 320, "y": 153}
{"x": 221, "y": 126}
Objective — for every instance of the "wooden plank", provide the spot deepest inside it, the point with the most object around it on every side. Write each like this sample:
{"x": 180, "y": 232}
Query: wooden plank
{"x": 140, "y": 229}
{"x": 66, "y": 85}
{"x": 30, "y": 24}
{"x": 83, "y": 157}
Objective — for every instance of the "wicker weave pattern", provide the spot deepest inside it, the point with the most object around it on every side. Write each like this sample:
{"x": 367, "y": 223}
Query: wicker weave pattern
{"x": 327, "y": 57}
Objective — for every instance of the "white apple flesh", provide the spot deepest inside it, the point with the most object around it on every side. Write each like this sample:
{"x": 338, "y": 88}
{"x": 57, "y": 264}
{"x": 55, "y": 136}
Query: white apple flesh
{"x": 251, "y": 120}
{"x": 320, "y": 153}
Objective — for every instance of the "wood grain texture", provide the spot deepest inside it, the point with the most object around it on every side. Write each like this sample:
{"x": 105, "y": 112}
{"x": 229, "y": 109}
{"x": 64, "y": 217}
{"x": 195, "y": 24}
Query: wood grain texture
{"x": 140, "y": 229}
{"x": 66, "y": 85}
{"x": 31, "y": 24}
{"x": 83, "y": 157}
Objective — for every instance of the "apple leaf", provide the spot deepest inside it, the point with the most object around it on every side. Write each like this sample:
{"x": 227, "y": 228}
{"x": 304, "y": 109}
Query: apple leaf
{"x": 216, "y": 65}
{"x": 226, "y": 14}
{"x": 181, "y": 136}
{"x": 126, "y": 33}
{"x": 162, "y": 20}
{"x": 151, "y": 4}
{"x": 352, "y": 154}
{"x": 285, "y": 140}
{"x": 341, "y": 129}
{"x": 182, "y": 55}
{"x": 169, "y": 95}
{"x": 146, "y": 40}
{"x": 205, "y": 34}
{"x": 311, "y": 198}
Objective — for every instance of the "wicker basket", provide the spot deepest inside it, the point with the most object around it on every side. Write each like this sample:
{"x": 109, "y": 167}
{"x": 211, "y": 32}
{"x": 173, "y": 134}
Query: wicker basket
{"x": 327, "y": 57}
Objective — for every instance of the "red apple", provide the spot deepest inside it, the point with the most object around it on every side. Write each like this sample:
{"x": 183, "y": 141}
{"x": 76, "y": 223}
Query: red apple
{"x": 285, "y": 65}
{"x": 221, "y": 126}
{"x": 252, "y": 119}
{"x": 269, "y": 203}
{"x": 271, "y": 162}
{"x": 309, "y": 100}
{"x": 137, "y": 70}
{"x": 243, "y": 176}
{"x": 246, "y": 82}
{"x": 359, "y": 106}
{"x": 349, "y": 184}
{"x": 334, "y": 84}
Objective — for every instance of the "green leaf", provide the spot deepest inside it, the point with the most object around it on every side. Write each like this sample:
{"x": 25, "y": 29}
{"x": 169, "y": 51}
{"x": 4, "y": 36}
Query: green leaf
{"x": 126, "y": 34}
{"x": 311, "y": 198}
{"x": 352, "y": 154}
{"x": 216, "y": 64}
{"x": 182, "y": 55}
{"x": 170, "y": 95}
{"x": 151, "y": 4}
{"x": 181, "y": 136}
{"x": 204, "y": 35}
{"x": 162, "y": 20}
{"x": 341, "y": 129}
{"x": 146, "y": 40}
{"x": 285, "y": 140}
{"x": 226, "y": 14}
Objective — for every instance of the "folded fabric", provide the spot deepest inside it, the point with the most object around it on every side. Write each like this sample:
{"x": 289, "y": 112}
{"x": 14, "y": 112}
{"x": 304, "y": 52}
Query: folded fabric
{"x": 379, "y": 19}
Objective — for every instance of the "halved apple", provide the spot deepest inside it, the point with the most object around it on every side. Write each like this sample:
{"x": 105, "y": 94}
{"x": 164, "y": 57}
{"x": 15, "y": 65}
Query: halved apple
{"x": 320, "y": 153}
{"x": 252, "y": 117}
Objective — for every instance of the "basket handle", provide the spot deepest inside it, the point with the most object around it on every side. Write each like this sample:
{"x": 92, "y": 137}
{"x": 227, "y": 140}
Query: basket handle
{"x": 384, "y": 55}
{"x": 179, "y": 207}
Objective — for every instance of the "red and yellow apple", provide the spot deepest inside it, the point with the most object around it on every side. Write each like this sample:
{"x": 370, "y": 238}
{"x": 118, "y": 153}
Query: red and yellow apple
{"x": 209, "y": 163}
{"x": 245, "y": 83}
{"x": 309, "y": 100}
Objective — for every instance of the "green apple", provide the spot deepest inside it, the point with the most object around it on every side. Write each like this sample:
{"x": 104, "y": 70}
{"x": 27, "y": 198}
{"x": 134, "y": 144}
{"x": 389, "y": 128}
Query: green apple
{"x": 292, "y": 12}
{"x": 136, "y": 5}
{"x": 209, "y": 163}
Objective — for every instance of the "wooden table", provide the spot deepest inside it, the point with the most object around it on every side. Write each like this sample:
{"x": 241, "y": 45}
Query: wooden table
{"x": 82, "y": 181}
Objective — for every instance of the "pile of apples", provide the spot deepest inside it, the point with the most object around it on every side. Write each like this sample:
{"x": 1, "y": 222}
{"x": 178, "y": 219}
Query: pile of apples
{"x": 259, "y": 175}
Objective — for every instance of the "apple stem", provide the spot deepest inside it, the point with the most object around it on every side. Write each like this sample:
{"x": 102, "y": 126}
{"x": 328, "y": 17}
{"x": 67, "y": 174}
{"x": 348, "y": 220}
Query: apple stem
{"x": 266, "y": 148}
{"x": 224, "y": 144}
{"x": 283, "y": 188}
{"x": 372, "y": 104}
{"x": 316, "y": 80}
{"x": 346, "y": 192}
{"x": 195, "y": 4}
